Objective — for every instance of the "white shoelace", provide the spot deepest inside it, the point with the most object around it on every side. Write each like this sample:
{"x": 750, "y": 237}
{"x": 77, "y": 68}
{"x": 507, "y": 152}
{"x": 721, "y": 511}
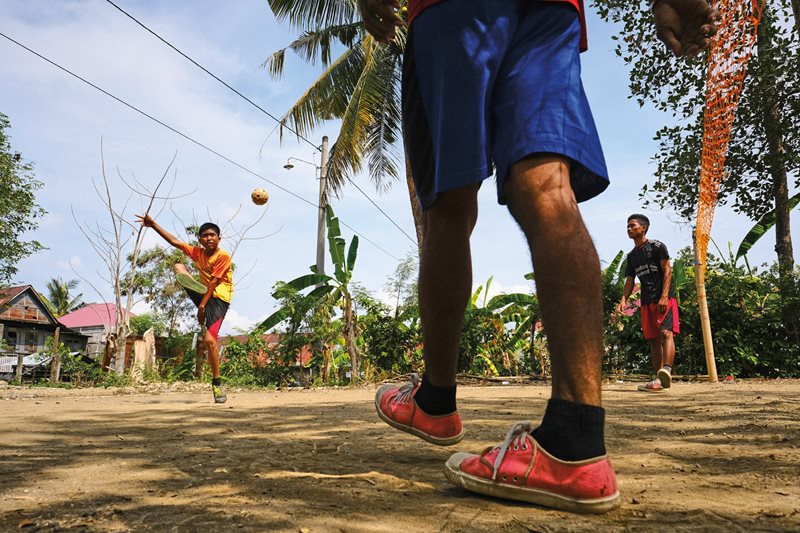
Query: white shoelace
{"x": 517, "y": 435}
{"x": 404, "y": 392}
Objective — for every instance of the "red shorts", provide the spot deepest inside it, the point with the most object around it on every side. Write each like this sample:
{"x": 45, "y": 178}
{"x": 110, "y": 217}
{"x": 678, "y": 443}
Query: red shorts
{"x": 653, "y": 321}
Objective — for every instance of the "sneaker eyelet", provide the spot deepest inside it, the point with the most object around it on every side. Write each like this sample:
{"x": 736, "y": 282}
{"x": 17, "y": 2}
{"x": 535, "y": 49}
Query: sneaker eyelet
{"x": 516, "y": 447}
{"x": 515, "y": 479}
{"x": 504, "y": 478}
{"x": 524, "y": 446}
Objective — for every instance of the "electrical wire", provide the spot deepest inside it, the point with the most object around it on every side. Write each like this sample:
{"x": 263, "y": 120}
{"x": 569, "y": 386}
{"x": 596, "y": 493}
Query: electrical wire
{"x": 251, "y": 102}
{"x": 188, "y": 138}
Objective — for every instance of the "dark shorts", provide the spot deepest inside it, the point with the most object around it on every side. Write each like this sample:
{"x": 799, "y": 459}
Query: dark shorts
{"x": 215, "y": 311}
{"x": 653, "y": 321}
{"x": 489, "y": 83}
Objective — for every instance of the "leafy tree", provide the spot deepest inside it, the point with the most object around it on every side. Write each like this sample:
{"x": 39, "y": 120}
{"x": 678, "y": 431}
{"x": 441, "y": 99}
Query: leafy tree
{"x": 392, "y": 341}
{"x": 19, "y": 212}
{"x": 765, "y": 142}
{"x": 361, "y": 87}
{"x": 141, "y": 323}
{"x": 402, "y": 284}
{"x": 155, "y": 281}
{"x": 59, "y": 299}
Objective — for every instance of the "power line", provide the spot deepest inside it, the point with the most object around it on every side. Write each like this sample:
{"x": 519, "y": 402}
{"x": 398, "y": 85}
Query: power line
{"x": 188, "y": 138}
{"x": 251, "y": 102}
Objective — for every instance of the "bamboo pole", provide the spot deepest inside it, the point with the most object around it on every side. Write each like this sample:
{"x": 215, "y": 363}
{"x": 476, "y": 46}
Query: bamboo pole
{"x": 705, "y": 321}
{"x": 55, "y": 361}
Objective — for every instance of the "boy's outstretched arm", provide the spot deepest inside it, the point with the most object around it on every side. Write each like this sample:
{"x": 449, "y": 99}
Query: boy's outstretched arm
{"x": 685, "y": 26}
{"x": 148, "y": 222}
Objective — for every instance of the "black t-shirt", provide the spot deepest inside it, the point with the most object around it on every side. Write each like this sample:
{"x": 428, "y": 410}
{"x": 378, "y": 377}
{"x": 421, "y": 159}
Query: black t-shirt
{"x": 644, "y": 262}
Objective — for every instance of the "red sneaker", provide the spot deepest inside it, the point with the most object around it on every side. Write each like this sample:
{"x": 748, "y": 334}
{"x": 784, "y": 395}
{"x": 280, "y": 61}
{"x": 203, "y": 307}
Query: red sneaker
{"x": 654, "y": 385}
{"x": 396, "y": 406}
{"x": 520, "y": 469}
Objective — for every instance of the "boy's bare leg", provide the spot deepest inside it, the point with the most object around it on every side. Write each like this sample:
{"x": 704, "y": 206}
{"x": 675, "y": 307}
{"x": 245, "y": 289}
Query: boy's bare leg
{"x": 212, "y": 352}
{"x": 567, "y": 271}
{"x": 657, "y": 353}
{"x": 667, "y": 348}
{"x": 445, "y": 280}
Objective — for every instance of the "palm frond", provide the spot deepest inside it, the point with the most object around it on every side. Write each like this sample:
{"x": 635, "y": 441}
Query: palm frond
{"x": 274, "y": 64}
{"x": 327, "y": 98}
{"x": 313, "y": 46}
{"x": 371, "y": 120}
{"x": 307, "y": 14}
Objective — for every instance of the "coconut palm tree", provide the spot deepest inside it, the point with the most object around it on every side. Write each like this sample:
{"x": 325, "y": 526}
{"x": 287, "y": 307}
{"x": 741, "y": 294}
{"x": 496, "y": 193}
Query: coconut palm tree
{"x": 360, "y": 87}
{"x": 59, "y": 298}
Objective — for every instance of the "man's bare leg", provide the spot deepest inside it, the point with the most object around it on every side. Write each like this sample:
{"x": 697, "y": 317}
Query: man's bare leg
{"x": 445, "y": 284}
{"x": 567, "y": 271}
{"x": 568, "y": 286}
{"x": 445, "y": 280}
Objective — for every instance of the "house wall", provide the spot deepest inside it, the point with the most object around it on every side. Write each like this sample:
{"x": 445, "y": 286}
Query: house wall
{"x": 24, "y": 308}
{"x": 24, "y": 339}
{"x": 96, "y": 345}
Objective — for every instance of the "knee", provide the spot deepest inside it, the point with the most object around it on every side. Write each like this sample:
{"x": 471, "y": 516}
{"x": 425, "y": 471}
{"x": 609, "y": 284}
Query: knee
{"x": 209, "y": 339}
{"x": 453, "y": 211}
{"x": 666, "y": 335}
{"x": 177, "y": 268}
{"x": 540, "y": 186}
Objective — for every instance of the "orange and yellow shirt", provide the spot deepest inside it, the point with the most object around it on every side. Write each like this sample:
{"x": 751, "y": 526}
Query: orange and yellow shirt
{"x": 216, "y": 265}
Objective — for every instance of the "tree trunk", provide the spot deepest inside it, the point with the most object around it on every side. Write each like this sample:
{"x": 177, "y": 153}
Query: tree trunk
{"x": 20, "y": 363}
{"x": 416, "y": 208}
{"x": 55, "y": 362}
{"x": 350, "y": 337}
{"x": 326, "y": 362}
{"x": 776, "y": 165}
{"x": 796, "y": 12}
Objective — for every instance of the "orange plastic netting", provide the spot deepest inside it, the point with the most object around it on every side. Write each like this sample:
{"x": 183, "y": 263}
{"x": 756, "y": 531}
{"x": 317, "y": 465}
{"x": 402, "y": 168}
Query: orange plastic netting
{"x": 727, "y": 65}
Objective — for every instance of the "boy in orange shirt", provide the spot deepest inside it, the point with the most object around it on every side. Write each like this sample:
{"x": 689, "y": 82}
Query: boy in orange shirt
{"x": 214, "y": 265}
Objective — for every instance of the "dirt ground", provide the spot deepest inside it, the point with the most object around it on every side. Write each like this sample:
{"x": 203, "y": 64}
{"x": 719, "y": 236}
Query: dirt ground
{"x": 700, "y": 457}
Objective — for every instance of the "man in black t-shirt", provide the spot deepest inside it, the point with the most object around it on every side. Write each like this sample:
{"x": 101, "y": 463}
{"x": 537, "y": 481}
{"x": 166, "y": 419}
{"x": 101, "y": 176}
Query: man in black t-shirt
{"x": 649, "y": 261}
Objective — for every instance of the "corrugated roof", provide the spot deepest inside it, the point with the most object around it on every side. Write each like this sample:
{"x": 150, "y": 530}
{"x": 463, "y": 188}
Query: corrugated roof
{"x": 9, "y": 293}
{"x": 92, "y": 315}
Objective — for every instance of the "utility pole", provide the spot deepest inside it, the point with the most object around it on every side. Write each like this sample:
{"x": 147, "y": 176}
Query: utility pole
{"x": 323, "y": 202}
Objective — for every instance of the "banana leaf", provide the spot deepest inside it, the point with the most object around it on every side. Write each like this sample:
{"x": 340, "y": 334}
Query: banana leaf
{"x": 761, "y": 227}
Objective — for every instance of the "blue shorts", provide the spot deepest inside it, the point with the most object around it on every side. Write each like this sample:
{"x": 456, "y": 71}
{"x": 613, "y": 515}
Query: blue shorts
{"x": 489, "y": 82}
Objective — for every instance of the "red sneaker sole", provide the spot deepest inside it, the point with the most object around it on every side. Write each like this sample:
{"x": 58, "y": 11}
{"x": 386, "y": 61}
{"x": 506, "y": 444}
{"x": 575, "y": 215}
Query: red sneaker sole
{"x": 439, "y": 441}
{"x": 545, "y": 498}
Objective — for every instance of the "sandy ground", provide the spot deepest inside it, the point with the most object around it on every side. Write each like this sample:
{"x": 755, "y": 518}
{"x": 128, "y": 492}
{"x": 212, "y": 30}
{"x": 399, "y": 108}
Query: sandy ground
{"x": 701, "y": 457}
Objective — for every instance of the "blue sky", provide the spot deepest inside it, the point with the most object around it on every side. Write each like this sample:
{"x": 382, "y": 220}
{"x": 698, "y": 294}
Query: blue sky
{"x": 58, "y": 123}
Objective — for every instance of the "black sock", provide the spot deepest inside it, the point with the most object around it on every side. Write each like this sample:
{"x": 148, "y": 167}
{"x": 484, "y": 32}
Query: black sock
{"x": 435, "y": 400}
{"x": 216, "y": 381}
{"x": 572, "y": 431}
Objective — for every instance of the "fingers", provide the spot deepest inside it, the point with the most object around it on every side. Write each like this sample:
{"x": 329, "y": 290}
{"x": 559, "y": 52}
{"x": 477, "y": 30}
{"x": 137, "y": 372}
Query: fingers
{"x": 668, "y": 38}
{"x": 380, "y": 18}
{"x": 686, "y": 26}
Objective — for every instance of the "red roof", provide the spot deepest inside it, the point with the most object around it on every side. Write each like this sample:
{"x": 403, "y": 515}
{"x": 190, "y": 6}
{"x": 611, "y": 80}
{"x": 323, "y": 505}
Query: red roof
{"x": 9, "y": 293}
{"x": 92, "y": 315}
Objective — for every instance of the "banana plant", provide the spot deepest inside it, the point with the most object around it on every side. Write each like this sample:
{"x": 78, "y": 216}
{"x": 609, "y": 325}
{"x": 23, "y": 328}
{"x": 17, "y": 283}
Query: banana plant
{"x": 523, "y": 310}
{"x": 337, "y": 287}
{"x": 762, "y": 226}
